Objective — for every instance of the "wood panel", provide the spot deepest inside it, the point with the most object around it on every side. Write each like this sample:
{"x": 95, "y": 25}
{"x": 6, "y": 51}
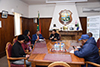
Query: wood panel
{"x": 6, "y": 32}
{"x": 83, "y": 21}
{"x": 45, "y": 24}
{"x": 28, "y": 24}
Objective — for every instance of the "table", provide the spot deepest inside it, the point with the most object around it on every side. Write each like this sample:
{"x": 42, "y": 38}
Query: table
{"x": 37, "y": 58}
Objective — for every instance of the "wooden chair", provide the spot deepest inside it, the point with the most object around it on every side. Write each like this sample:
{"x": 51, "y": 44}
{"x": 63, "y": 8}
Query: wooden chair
{"x": 8, "y": 53}
{"x": 59, "y": 64}
{"x": 59, "y": 34}
{"x": 98, "y": 44}
{"x": 88, "y": 62}
{"x": 15, "y": 40}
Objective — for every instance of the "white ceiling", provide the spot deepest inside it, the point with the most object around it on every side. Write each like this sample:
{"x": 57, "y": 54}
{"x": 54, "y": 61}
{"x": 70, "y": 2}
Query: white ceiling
{"x": 32, "y": 2}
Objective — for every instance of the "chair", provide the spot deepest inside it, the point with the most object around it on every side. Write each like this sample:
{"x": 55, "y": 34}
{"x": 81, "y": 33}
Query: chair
{"x": 59, "y": 34}
{"x": 8, "y": 53}
{"x": 15, "y": 40}
{"x": 59, "y": 64}
{"x": 98, "y": 44}
{"x": 88, "y": 62}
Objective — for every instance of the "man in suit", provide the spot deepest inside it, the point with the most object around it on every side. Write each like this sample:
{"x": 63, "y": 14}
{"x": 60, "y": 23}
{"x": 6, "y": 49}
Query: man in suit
{"x": 36, "y": 37}
{"x": 89, "y": 51}
{"x": 17, "y": 51}
{"x": 54, "y": 36}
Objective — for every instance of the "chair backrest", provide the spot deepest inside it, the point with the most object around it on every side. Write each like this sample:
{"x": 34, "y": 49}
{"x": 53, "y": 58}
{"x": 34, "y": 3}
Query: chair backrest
{"x": 8, "y": 49}
{"x": 59, "y": 64}
{"x": 98, "y": 43}
{"x": 15, "y": 40}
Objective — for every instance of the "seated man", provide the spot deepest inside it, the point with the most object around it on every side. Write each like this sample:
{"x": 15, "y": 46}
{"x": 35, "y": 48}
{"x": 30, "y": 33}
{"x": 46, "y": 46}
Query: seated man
{"x": 17, "y": 51}
{"x": 89, "y": 51}
{"x": 91, "y": 37}
{"x": 54, "y": 36}
{"x": 36, "y": 37}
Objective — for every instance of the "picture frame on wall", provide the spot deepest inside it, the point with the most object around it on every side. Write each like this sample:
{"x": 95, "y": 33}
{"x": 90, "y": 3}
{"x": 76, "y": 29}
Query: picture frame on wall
{"x": 4, "y": 14}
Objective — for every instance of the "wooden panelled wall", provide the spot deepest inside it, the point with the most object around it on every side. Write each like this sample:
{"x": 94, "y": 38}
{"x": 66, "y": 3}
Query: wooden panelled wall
{"x": 45, "y": 24}
{"x": 28, "y": 24}
{"x": 83, "y": 21}
{"x": 6, "y": 32}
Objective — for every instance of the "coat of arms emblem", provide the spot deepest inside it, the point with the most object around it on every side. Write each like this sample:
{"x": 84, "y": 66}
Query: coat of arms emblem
{"x": 65, "y": 17}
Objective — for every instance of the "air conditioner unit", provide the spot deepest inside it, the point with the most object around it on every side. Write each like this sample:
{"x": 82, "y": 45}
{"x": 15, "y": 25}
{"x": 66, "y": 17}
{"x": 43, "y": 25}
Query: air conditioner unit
{"x": 63, "y": 1}
{"x": 92, "y": 9}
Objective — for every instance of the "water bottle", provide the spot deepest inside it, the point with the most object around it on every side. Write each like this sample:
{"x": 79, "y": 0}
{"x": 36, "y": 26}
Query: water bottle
{"x": 61, "y": 46}
{"x": 58, "y": 48}
{"x": 55, "y": 46}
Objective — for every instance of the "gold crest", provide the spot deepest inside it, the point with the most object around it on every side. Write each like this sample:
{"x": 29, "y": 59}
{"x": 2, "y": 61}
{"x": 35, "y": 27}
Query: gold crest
{"x": 65, "y": 17}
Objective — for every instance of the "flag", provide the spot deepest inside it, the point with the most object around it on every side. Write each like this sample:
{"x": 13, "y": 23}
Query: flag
{"x": 38, "y": 23}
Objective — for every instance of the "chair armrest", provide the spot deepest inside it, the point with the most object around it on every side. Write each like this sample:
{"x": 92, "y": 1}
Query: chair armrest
{"x": 28, "y": 53}
{"x": 19, "y": 58}
{"x": 95, "y": 64}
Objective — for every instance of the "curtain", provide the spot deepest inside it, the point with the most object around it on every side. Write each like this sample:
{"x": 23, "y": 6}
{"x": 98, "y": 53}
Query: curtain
{"x": 17, "y": 24}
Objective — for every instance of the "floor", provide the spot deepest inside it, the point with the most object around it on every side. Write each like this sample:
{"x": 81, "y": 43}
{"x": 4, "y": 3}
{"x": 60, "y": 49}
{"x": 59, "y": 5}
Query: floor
{"x": 3, "y": 62}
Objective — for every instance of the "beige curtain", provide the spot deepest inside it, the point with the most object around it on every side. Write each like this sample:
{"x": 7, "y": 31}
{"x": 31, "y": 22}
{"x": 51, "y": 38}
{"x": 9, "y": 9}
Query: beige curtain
{"x": 17, "y": 24}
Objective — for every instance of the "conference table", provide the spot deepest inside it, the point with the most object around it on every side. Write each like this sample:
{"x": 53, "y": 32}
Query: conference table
{"x": 42, "y": 55}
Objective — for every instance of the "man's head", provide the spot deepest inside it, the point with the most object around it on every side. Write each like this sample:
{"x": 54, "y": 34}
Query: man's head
{"x": 90, "y": 34}
{"x": 21, "y": 39}
{"x": 53, "y": 31}
{"x": 84, "y": 38}
{"x": 37, "y": 32}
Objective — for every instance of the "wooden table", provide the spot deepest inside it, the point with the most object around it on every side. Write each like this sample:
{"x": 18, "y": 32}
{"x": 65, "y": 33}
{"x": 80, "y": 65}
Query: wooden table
{"x": 37, "y": 59}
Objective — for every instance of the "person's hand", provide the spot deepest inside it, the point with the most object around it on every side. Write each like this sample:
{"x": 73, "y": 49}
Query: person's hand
{"x": 27, "y": 56}
{"x": 76, "y": 49}
{"x": 55, "y": 38}
{"x": 51, "y": 38}
{"x": 44, "y": 38}
{"x": 37, "y": 39}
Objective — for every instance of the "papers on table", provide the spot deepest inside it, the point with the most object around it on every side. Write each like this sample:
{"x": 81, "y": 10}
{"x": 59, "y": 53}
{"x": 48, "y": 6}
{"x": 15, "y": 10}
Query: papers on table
{"x": 41, "y": 39}
{"x": 72, "y": 51}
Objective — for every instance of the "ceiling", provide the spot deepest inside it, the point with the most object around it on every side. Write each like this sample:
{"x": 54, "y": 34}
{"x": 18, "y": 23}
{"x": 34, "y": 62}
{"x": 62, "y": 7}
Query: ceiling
{"x": 32, "y": 2}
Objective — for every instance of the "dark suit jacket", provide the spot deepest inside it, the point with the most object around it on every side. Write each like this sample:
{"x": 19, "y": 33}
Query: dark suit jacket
{"x": 55, "y": 36}
{"x": 17, "y": 50}
{"x": 34, "y": 37}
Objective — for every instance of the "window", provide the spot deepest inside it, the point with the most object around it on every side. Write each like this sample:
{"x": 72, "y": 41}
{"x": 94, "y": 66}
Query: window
{"x": 17, "y": 24}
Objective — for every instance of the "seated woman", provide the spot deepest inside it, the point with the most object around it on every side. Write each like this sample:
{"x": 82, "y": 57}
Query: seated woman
{"x": 36, "y": 37}
{"x": 54, "y": 36}
{"x": 27, "y": 35}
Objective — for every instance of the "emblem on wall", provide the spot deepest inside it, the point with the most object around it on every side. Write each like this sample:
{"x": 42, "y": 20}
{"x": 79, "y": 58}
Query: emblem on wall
{"x": 65, "y": 17}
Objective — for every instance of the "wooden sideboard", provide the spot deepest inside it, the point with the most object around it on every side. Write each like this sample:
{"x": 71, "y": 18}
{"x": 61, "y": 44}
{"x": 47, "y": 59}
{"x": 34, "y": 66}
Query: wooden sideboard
{"x": 69, "y": 35}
